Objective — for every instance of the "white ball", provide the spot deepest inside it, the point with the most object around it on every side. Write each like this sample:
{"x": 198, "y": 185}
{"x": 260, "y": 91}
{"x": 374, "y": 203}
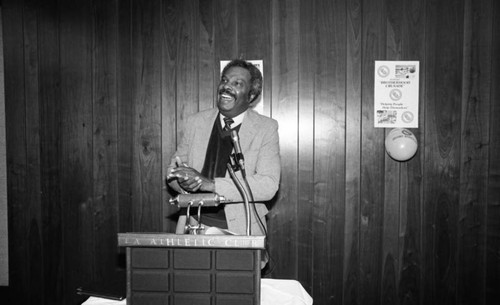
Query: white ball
{"x": 401, "y": 144}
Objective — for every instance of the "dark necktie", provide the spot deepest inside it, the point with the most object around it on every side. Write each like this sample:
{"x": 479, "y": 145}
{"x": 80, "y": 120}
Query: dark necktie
{"x": 228, "y": 122}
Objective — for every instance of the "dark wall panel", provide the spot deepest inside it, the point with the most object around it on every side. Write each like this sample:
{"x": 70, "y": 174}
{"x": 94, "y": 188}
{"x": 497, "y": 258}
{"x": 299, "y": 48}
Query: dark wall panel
{"x": 97, "y": 93}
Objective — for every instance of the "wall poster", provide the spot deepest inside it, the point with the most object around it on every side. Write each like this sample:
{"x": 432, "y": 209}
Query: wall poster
{"x": 396, "y": 94}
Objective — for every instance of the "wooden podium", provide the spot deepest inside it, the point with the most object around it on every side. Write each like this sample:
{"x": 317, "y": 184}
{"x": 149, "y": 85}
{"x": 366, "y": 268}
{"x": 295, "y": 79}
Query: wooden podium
{"x": 172, "y": 269}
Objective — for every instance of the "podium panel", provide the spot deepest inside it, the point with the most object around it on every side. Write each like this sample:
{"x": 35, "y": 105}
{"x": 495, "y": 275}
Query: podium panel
{"x": 171, "y": 269}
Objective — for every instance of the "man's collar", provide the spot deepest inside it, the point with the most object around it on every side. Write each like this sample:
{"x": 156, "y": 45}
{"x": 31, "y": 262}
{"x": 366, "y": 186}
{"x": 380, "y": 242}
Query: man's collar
{"x": 237, "y": 119}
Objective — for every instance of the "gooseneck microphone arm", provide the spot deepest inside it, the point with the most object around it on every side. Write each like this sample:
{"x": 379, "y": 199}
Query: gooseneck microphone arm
{"x": 244, "y": 194}
{"x": 238, "y": 154}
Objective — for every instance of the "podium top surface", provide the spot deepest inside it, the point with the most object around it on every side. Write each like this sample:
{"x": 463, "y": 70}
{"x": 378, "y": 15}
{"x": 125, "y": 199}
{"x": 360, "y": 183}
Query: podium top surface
{"x": 169, "y": 240}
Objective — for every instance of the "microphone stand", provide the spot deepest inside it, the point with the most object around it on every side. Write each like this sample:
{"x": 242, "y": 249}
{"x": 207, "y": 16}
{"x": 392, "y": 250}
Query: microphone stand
{"x": 243, "y": 193}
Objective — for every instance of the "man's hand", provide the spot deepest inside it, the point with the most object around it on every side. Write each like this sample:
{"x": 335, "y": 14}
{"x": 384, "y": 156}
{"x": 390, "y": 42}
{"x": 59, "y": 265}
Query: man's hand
{"x": 189, "y": 179}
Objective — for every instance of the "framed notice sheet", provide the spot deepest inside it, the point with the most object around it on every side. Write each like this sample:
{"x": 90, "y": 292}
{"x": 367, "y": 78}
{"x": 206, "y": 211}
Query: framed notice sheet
{"x": 396, "y": 94}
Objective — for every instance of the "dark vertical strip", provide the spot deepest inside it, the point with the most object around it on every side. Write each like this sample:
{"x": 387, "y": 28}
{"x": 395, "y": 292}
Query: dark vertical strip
{"x": 207, "y": 79}
{"x": 169, "y": 35}
{"x": 353, "y": 151}
{"x": 493, "y": 187}
{"x": 226, "y": 30}
{"x": 329, "y": 151}
{"x": 15, "y": 120}
{"x": 105, "y": 134}
{"x": 31, "y": 91}
{"x": 393, "y": 171}
{"x": 187, "y": 61}
{"x": 146, "y": 171}
{"x": 305, "y": 138}
{"x": 125, "y": 113}
{"x": 254, "y": 41}
{"x": 444, "y": 44}
{"x": 77, "y": 188}
{"x": 51, "y": 151}
{"x": 476, "y": 105}
{"x": 410, "y": 255}
{"x": 372, "y": 157}
{"x": 283, "y": 218}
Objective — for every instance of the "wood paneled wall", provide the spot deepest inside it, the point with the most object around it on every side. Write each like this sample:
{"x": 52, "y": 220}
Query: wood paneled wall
{"x": 96, "y": 92}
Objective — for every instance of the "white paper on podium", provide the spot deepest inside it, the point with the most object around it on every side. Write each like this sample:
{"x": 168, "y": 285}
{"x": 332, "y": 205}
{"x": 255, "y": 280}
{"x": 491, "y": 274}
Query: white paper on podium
{"x": 101, "y": 301}
{"x": 283, "y": 292}
{"x": 272, "y": 292}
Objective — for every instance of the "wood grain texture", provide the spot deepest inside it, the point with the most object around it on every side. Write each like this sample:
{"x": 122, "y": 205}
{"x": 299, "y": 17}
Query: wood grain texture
{"x": 77, "y": 203}
{"x": 394, "y": 172}
{"x": 410, "y": 232}
{"x": 207, "y": 76}
{"x": 492, "y": 277}
{"x": 476, "y": 105}
{"x": 169, "y": 124}
{"x": 329, "y": 152}
{"x": 284, "y": 241}
{"x": 15, "y": 120}
{"x": 97, "y": 93}
{"x": 442, "y": 147}
{"x": 305, "y": 142}
{"x": 493, "y": 188}
{"x": 372, "y": 158}
{"x": 33, "y": 122}
{"x": 105, "y": 133}
{"x": 125, "y": 112}
{"x": 146, "y": 68}
{"x": 353, "y": 109}
{"x": 254, "y": 41}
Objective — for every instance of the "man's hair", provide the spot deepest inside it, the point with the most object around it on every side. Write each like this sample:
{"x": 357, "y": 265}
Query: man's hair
{"x": 255, "y": 75}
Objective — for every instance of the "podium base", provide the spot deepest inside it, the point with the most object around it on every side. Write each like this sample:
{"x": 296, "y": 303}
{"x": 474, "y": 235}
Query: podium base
{"x": 192, "y": 269}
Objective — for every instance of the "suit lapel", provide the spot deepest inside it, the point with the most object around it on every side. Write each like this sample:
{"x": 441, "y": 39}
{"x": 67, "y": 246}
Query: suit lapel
{"x": 247, "y": 131}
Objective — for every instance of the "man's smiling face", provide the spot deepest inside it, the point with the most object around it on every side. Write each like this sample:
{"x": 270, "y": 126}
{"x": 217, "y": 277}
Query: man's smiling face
{"x": 234, "y": 88}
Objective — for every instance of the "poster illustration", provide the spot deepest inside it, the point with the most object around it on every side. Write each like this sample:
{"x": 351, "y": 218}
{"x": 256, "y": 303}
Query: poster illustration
{"x": 396, "y": 94}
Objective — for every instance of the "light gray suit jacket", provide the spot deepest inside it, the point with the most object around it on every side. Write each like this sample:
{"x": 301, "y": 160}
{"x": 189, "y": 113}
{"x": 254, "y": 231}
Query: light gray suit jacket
{"x": 260, "y": 146}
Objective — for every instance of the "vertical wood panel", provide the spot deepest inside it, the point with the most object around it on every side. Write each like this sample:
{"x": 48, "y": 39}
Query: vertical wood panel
{"x": 96, "y": 94}
{"x": 169, "y": 124}
{"x": 410, "y": 264}
{"x": 393, "y": 172}
{"x": 146, "y": 172}
{"x": 226, "y": 42}
{"x": 442, "y": 143}
{"x": 15, "y": 110}
{"x": 77, "y": 204}
{"x": 33, "y": 191}
{"x": 51, "y": 150}
{"x": 105, "y": 158}
{"x": 353, "y": 151}
{"x": 493, "y": 187}
{"x": 187, "y": 62}
{"x": 208, "y": 78}
{"x": 305, "y": 133}
{"x": 329, "y": 152}
{"x": 125, "y": 110}
{"x": 282, "y": 225}
{"x": 254, "y": 40}
{"x": 372, "y": 158}
{"x": 474, "y": 151}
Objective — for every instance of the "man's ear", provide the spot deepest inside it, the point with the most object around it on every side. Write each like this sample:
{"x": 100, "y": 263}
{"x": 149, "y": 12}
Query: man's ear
{"x": 252, "y": 97}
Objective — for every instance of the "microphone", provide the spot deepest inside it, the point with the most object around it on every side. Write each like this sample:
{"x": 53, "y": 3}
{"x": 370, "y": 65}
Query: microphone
{"x": 237, "y": 149}
{"x": 207, "y": 199}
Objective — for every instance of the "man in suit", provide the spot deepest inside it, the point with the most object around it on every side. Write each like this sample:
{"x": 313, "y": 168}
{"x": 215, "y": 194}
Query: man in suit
{"x": 199, "y": 164}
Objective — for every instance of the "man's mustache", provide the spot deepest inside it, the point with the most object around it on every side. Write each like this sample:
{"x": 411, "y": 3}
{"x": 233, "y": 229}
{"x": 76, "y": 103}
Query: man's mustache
{"x": 227, "y": 91}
